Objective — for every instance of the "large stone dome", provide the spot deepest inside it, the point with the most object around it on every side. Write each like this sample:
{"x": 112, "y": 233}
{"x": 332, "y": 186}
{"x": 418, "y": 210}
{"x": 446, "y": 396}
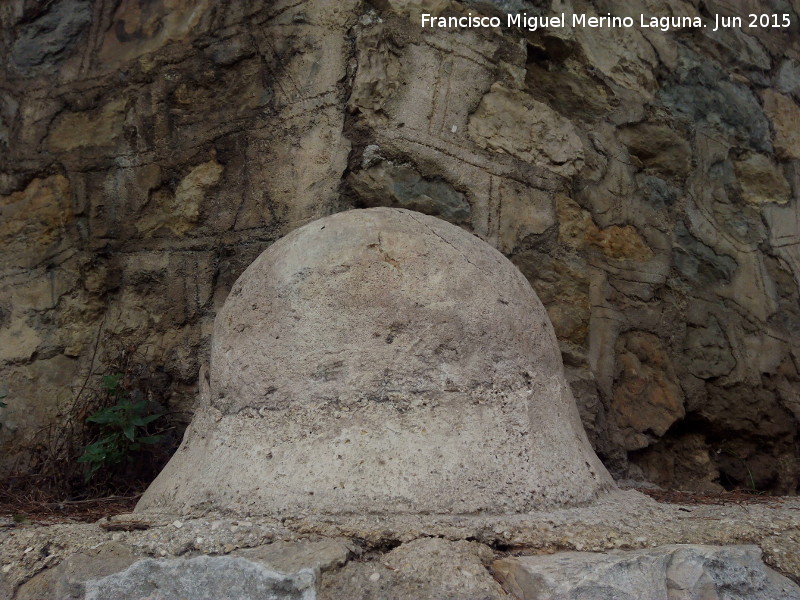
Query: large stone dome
{"x": 381, "y": 361}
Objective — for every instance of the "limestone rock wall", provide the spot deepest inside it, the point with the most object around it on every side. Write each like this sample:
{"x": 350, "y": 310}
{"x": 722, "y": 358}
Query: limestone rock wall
{"x": 646, "y": 183}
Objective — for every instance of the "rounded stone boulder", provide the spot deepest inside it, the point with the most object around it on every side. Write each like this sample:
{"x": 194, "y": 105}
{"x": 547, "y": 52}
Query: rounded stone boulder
{"x": 381, "y": 361}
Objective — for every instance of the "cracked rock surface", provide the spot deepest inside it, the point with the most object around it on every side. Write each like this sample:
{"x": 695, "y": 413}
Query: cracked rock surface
{"x": 705, "y": 548}
{"x": 662, "y": 573}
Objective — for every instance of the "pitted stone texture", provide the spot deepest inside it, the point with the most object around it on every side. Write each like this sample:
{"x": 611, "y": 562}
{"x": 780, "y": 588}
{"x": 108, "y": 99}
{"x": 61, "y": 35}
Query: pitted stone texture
{"x": 424, "y": 569}
{"x": 66, "y": 581}
{"x": 202, "y": 578}
{"x": 291, "y": 557}
{"x": 679, "y": 572}
{"x": 382, "y": 361}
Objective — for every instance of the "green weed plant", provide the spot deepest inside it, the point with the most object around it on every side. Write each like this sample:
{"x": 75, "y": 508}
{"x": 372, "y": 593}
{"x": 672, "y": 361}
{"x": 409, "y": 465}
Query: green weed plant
{"x": 123, "y": 428}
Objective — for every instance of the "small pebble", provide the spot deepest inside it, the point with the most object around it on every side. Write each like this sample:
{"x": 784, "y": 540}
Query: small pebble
{"x": 6, "y": 568}
{"x": 177, "y": 524}
{"x": 374, "y": 577}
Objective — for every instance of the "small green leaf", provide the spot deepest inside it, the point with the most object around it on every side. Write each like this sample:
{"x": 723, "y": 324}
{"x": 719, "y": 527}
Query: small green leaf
{"x": 104, "y": 416}
{"x": 124, "y": 405}
{"x": 94, "y": 453}
{"x": 129, "y": 431}
{"x": 142, "y": 421}
{"x": 111, "y": 382}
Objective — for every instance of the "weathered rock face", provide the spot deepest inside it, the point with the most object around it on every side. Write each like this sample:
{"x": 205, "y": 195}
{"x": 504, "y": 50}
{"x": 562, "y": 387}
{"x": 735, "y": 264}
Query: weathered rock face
{"x": 663, "y": 573}
{"x": 201, "y": 578}
{"x": 427, "y": 568}
{"x": 382, "y": 361}
{"x": 646, "y": 183}
{"x": 278, "y": 571}
{"x": 424, "y": 568}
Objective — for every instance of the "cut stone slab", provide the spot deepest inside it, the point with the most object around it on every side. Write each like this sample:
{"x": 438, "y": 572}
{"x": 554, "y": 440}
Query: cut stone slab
{"x": 97, "y": 569}
{"x": 381, "y": 361}
{"x": 291, "y": 557}
{"x": 66, "y": 580}
{"x": 202, "y": 578}
{"x": 677, "y": 572}
{"x": 425, "y": 569}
